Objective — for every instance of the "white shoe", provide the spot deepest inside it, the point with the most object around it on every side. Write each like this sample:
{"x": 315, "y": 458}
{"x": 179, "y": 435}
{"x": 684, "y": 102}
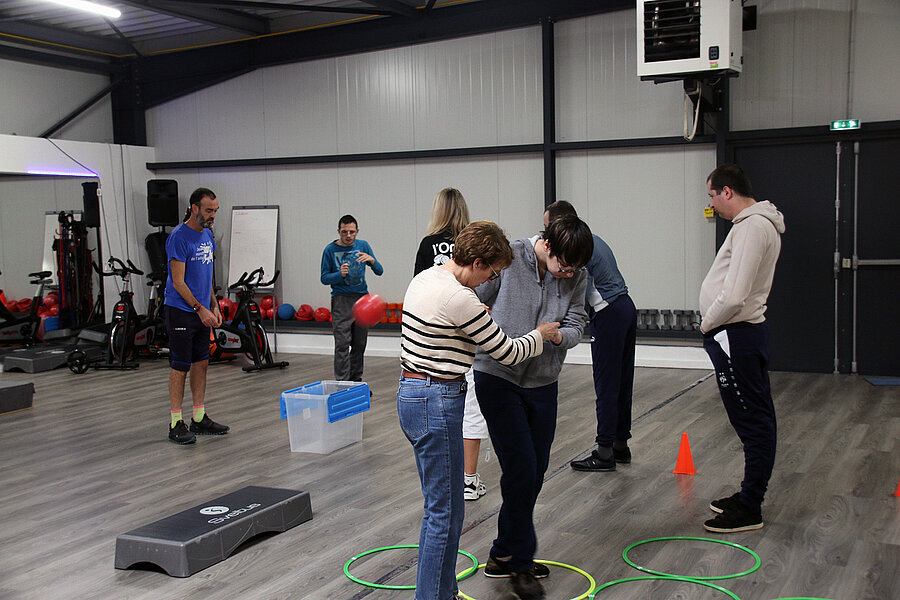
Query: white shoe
{"x": 474, "y": 488}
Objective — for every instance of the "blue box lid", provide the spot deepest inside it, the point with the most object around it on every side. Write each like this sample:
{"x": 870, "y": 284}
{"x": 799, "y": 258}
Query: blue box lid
{"x": 340, "y": 404}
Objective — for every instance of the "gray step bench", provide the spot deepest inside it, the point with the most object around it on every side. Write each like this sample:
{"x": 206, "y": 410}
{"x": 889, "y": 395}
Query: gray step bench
{"x": 194, "y": 539}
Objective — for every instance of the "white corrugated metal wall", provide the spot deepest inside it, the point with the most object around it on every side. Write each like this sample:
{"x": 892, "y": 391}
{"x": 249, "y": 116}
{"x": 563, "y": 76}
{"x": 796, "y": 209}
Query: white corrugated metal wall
{"x": 800, "y": 69}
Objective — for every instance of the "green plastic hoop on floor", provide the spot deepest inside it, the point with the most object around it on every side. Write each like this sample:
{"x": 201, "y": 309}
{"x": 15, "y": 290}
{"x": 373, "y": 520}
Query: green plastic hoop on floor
{"x": 591, "y": 581}
{"x": 698, "y": 578}
{"x": 728, "y": 593}
{"x": 381, "y": 586}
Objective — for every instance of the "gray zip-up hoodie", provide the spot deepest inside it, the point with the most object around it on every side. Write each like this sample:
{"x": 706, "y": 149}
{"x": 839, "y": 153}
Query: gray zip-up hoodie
{"x": 740, "y": 278}
{"x": 519, "y": 299}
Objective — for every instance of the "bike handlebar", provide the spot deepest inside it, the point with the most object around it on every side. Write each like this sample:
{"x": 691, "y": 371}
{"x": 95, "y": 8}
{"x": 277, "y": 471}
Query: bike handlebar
{"x": 252, "y": 280}
{"x": 118, "y": 268}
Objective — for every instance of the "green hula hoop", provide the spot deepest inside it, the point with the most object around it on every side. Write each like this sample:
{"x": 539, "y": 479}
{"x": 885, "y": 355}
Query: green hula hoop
{"x": 591, "y": 582}
{"x": 698, "y": 578}
{"x": 380, "y": 586}
{"x": 728, "y": 593}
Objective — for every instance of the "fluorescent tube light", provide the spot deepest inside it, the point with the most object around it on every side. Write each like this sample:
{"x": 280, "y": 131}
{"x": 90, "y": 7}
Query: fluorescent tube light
{"x": 91, "y": 7}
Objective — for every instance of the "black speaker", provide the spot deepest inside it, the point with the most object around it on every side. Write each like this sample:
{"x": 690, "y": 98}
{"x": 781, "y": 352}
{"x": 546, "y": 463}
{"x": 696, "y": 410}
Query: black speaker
{"x": 91, "y": 216}
{"x": 162, "y": 202}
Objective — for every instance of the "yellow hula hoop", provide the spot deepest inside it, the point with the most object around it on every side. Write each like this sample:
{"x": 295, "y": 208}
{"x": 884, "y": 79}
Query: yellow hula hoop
{"x": 585, "y": 574}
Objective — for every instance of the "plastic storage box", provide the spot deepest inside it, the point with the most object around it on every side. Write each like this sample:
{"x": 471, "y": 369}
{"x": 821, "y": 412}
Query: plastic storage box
{"x": 325, "y": 415}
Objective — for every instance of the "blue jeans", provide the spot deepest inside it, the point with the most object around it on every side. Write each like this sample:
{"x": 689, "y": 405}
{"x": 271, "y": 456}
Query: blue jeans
{"x": 431, "y": 414}
{"x": 522, "y": 423}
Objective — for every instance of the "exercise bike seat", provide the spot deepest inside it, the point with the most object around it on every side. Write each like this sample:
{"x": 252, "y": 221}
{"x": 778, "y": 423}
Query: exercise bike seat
{"x": 40, "y": 275}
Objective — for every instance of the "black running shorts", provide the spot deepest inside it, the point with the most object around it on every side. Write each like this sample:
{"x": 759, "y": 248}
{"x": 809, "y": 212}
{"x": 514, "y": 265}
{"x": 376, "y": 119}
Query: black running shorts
{"x": 188, "y": 338}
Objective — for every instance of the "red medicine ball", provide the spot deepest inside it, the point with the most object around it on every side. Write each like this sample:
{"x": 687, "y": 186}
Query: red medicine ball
{"x": 304, "y": 313}
{"x": 322, "y": 314}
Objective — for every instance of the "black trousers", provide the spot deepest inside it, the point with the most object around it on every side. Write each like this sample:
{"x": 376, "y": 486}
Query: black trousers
{"x": 522, "y": 423}
{"x": 740, "y": 355}
{"x": 613, "y": 337}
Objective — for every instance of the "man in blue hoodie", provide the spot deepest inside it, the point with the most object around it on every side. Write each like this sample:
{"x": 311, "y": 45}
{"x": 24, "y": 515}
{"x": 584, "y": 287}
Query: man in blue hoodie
{"x": 545, "y": 282}
{"x": 344, "y": 268}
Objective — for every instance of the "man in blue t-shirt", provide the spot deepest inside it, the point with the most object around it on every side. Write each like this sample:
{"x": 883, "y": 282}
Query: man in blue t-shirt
{"x": 191, "y": 310}
{"x": 344, "y": 269}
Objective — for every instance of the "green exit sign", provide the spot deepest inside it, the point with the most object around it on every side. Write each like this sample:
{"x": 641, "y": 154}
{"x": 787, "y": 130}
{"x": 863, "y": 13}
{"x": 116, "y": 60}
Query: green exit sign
{"x": 845, "y": 124}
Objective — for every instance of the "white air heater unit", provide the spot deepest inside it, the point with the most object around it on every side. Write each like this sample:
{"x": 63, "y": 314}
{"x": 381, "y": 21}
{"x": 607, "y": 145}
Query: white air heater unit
{"x": 681, "y": 37}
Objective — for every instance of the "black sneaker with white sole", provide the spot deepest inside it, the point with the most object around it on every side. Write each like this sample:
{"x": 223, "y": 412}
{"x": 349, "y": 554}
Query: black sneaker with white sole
{"x": 180, "y": 434}
{"x": 723, "y": 504}
{"x": 734, "y": 519}
{"x": 498, "y": 567}
{"x": 207, "y": 426}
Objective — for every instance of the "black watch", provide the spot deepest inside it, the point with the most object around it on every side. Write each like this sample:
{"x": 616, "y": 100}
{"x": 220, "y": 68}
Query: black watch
{"x": 196, "y": 307}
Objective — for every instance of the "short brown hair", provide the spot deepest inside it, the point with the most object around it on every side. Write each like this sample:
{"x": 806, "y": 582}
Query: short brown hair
{"x": 570, "y": 239}
{"x": 560, "y": 208}
{"x": 484, "y": 240}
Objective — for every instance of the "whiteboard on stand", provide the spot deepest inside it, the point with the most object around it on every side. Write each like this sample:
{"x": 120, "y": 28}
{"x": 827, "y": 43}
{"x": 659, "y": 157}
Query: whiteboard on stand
{"x": 254, "y": 239}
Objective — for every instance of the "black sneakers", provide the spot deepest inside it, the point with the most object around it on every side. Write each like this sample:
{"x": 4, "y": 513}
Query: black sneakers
{"x": 595, "y": 463}
{"x": 498, "y": 567}
{"x": 526, "y": 586}
{"x": 734, "y": 518}
{"x": 723, "y": 504}
{"x": 180, "y": 434}
{"x": 207, "y": 426}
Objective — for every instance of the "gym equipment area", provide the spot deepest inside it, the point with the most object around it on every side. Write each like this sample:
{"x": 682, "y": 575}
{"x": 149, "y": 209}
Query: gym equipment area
{"x": 297, "y": 113}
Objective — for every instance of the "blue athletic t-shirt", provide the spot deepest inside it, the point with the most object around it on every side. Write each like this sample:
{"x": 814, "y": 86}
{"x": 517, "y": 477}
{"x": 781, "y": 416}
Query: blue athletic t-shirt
{"x": 195, "y": 250}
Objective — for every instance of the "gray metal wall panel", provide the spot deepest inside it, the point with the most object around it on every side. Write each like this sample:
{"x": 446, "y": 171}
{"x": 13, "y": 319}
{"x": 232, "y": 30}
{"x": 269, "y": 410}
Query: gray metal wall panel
{"x": 599, "y": 95}
{"x": 647, "y": 203}
{"x": 35, "y": 97}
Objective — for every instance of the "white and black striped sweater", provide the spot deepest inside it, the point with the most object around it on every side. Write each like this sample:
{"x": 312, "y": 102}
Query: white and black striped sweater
{"x": 443, "y": 322}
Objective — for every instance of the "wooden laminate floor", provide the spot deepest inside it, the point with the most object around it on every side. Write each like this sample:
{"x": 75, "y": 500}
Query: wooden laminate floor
{"x": 91, "y": 461}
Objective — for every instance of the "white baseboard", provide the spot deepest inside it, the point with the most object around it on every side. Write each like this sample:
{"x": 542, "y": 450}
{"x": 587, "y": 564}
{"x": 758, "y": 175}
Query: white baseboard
{"x": 675, "y": 357}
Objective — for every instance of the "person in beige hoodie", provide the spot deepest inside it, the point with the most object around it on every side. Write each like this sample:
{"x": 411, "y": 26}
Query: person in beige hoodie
{"x": 736, "y": 337}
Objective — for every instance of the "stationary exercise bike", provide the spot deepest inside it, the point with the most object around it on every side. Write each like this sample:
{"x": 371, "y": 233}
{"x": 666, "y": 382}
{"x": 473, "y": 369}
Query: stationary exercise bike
{"x": 245, "y": 333}
{"x": 129, "y": 332}
{"x": 23, "y": 328}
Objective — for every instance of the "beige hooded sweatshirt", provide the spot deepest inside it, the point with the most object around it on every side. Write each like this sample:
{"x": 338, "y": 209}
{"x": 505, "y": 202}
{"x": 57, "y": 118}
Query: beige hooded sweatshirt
{"x": 738, "y": 283}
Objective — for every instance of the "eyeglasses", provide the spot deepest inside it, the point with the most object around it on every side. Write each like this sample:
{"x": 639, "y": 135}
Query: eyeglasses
{"x": 494, "y": 274}
{"x": 561, "y": 268}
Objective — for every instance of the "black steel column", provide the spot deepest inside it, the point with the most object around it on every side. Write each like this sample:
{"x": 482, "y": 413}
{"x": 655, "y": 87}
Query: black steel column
{"x": 129, "y": 122}
{"x": 549, "y": 89}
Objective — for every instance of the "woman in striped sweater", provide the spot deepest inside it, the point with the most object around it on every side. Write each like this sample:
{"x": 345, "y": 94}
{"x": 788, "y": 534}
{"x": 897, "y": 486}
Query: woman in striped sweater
{"x": 443, "y": 322}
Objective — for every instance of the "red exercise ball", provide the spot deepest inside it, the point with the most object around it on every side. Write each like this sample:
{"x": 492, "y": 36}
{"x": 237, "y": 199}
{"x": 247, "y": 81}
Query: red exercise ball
{"x": 51, "y": 300}
{"x": 368, "y": 310}
{"x": 267, "y": 302}
{"x": 53, "y": 311}
{"x": 322, "y": 314}
{"x": 270, "y": 313}
{"x": 304, "y": 313}
{"x": 24, "y": 304}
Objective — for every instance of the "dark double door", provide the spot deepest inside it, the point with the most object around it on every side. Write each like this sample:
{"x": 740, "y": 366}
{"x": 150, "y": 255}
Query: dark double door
{"x": 839, "y": 202}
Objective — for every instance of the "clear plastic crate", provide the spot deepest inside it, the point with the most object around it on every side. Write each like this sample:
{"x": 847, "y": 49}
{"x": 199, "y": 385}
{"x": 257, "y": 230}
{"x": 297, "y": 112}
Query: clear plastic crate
{"x": 325, "y": 415}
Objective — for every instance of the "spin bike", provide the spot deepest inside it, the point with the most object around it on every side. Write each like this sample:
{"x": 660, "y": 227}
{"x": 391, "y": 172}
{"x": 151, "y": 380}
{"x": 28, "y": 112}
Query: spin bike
{"x": 129, "y": 332}
{"x": 23, "y": 328}
{"x": 245, "y": 333}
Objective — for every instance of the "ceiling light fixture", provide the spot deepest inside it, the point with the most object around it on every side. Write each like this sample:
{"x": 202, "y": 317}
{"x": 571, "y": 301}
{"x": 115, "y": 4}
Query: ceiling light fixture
{"x": 91, "y": 7}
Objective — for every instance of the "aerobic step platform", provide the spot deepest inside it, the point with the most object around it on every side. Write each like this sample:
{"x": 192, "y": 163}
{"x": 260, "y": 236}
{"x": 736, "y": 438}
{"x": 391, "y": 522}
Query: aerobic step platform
{"x": 15, "y": 396}
{"x": 192, "y": 540}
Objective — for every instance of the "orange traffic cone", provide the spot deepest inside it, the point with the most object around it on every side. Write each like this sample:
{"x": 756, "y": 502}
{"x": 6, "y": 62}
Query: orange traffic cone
{"x": 685, "y": 464}
{"x": 897, "y": 493}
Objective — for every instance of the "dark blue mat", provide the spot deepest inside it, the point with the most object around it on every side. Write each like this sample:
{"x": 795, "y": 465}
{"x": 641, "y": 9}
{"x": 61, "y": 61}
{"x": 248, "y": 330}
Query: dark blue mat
{"x": 883, "y": 380}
